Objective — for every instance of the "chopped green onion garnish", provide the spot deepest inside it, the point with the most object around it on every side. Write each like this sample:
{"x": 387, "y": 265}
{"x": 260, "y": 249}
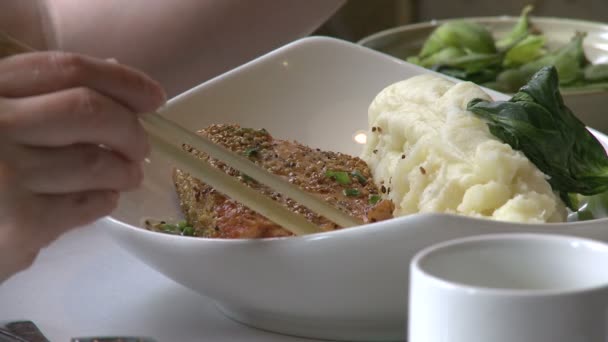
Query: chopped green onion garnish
{"x": 251, "y": 151}
{"x": 340, "y": 176}
{"x": 351, "y": 192}
{"x": 359, "y": 177}
{"x": 182, "y": 224}
{"x": 247, "y": 178}
{"x": 188, "y": 231}
{"x": 169, "y": 228}
{"x": 373, "y": 199}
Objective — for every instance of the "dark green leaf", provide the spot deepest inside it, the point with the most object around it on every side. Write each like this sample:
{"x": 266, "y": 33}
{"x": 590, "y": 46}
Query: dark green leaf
{"x": 188, "y": 231}
{"x": 351, "y": 192}
{"x": 482, "y": 76}
{"x": 169, "y": 228}
{"x": 537, "y": 122}
{"x": 359, "y": 177}
{"x": 247, "y": 178}
{"x": 442, "y": 57}
{"x": 251, "y": 151}
{"x": 339, "y": 176}
{"x": 373, "y": 199}
{"x": 592, "y": 207}
{"x": 473, "y": 62}
{"x": 479, "y": 77}
{"x": 454, "y": 72}
{"x": 511, "y": 80}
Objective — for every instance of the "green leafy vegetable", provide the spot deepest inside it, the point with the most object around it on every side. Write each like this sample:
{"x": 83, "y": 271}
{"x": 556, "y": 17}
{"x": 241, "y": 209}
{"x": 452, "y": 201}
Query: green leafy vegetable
{"x": 441, "y": 57}
{"x": 357, "y": 174}
{"x": 479, "y": 77}
{"x": 414, "y": 60}
{"x": 568, "y": 60}
{"x": 466, "y": 50}
{"x": 188, "y": 231}
{"x": 169, "y": 228}
{"x": 596, "y": 72}
{"x": 527, "y": 50}
{"x": 251, "y": 151}
{"x": 339, "y": 176}
{"x": 475, "y": 62}
{"x": 518, "y": 32}
{"x": 351, "y": 192}
{"x": 510, "y": 80}
{"x": 592, "y": 207}
{"x": 373, "y": 199}
{"x": 587, "y": 86}
{"x": 179, "y": 228}
{"x": 536, "y": 122}
{"x": 463, "y": 35}
{"x": 454, "y": 72}
{"x": 247, "y": 178}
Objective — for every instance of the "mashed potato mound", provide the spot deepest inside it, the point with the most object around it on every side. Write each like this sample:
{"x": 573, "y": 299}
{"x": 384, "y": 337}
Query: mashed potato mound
{"x": 429, "y": 154}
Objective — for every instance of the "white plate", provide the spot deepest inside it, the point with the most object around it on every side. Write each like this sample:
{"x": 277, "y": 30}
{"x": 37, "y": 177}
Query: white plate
{"x": 350, "y": 284}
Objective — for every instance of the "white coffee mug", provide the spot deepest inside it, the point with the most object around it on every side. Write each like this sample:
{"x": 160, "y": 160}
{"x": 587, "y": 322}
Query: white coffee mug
{"x": 510, "y": 288}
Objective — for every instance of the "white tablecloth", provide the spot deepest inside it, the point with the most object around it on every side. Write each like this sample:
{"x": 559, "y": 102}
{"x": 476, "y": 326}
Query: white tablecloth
{"x": 84, "y": 284}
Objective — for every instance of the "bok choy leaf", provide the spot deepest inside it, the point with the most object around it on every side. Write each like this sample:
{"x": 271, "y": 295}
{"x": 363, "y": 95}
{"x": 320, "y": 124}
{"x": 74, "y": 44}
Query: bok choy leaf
{"x": 537, "y": 122}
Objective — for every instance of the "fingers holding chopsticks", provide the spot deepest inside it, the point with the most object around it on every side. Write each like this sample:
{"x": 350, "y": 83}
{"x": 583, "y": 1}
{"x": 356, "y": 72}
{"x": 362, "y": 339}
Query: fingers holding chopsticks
{"x": 46, "y": 72}
{"x": 36, "y": 220}
{"x": 71, "y": 116}
{"x": 74, "y": 168}
{"x": 70, "y": 142}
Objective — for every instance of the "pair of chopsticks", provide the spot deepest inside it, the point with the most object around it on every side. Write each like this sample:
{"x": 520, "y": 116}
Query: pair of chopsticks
{"x": 167, "y": 138}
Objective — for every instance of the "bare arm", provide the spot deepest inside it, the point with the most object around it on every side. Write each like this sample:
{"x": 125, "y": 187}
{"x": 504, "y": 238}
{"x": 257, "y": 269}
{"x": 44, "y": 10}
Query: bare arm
{"x": 179, "y": 42}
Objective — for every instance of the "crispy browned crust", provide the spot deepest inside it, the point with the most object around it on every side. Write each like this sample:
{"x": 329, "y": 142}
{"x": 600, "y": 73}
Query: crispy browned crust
{"x": 214, "y": 215}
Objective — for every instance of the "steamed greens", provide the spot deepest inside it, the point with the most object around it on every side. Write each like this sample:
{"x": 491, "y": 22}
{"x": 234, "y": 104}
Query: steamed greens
{"x": 518, "y": 32}
{"x": 467, "y": 50}
{"x": 592, "y": 207}
{"x": 536, "y": 122}
{"x": 462, "y": 35}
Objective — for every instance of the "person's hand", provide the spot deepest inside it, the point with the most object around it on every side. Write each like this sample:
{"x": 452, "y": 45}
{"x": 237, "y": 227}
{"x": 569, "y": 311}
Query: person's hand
{"x": 70, "y": 142}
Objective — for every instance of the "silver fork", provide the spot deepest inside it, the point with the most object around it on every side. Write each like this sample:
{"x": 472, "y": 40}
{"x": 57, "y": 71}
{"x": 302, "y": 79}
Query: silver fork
{"x": 7, "y": 336}
{"x": 27, "y": 331}
{"x": 112, "y": 339}
{"x": 21, "y": 331}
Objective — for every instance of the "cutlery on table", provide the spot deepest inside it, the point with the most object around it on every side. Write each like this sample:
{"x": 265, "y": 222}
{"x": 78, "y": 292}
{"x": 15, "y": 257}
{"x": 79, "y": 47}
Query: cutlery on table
{"x": 27, "y": 331}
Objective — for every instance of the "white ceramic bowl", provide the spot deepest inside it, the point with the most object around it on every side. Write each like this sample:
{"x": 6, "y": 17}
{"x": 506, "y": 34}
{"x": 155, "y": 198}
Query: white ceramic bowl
{"x": 508, "y": 288}
{"x": 350, "y": 284}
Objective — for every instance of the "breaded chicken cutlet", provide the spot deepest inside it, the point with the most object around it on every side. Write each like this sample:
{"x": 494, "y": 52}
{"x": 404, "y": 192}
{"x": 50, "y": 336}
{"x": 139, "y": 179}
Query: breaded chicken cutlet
{"x": 342, "y": 180}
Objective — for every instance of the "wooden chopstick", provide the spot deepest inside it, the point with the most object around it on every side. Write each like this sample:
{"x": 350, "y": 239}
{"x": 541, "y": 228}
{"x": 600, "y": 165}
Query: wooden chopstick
{"x": 167, "y": 138}
{"x": 160, "y": 125}
{"x": 233, "y": 188}
{"x": 10, "y": 46}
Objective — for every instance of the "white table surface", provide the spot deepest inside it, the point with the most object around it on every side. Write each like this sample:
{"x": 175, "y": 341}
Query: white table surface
{"x": 85, "y": 285}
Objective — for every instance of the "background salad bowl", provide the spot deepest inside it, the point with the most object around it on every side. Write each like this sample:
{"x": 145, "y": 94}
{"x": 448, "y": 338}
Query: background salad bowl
{"x": 588, "y": 104}
{"x": 349, "y": 284}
